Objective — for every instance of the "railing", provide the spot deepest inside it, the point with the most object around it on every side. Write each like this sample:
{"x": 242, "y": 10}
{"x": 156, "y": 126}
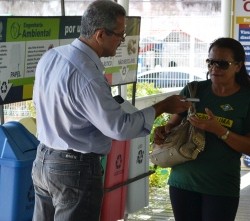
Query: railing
{"x": 171, "y": 77}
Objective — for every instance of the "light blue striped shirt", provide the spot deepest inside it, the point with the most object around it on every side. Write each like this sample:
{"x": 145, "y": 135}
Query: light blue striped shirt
{"x": 74, "y": 105}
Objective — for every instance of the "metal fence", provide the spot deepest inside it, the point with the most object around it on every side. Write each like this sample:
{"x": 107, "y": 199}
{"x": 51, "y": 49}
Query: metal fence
{"x": 176, "y": 41}
{"x": 177, "y": 49}
{"x": 170, "y": 77}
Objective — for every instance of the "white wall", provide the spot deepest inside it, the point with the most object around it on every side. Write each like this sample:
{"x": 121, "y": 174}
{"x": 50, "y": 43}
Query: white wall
{"x": 147, "y": 101}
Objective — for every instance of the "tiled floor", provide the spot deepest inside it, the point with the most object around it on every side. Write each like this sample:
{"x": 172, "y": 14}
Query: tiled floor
{"x": 161, "y": 211}
{"x": 244, "y": 207}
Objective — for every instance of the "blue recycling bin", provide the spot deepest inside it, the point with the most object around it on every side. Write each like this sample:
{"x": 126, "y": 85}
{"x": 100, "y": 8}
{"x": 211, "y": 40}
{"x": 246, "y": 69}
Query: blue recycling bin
{"x": 17, "y": 153}
{"x": 246, "y": 160}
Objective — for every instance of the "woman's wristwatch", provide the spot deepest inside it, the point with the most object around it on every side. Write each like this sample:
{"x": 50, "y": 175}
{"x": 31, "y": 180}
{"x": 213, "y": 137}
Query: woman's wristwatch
{"x": 225, "y": 136}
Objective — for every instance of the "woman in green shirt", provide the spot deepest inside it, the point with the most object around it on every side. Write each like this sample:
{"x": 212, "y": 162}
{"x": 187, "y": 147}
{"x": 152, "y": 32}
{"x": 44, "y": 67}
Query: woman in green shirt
{"x": 207, "y": 189}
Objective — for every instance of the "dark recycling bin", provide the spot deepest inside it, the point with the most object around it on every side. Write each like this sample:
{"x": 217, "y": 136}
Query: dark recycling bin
{"x": 17, "y": 153}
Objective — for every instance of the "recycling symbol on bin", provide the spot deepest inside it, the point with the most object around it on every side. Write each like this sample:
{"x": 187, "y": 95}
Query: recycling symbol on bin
{"x": 118, "y": 162}
{"x": 140, "y": 156}
{"x": 4, "y": 87}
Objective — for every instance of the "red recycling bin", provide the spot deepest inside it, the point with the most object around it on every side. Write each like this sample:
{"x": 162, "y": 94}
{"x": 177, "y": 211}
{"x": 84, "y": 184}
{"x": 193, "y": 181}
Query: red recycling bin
{"x": 116, "y": 173}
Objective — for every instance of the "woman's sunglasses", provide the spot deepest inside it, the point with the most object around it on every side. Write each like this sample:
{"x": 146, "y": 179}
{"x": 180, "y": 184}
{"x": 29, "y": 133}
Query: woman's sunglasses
{"x": 221, "y": 64}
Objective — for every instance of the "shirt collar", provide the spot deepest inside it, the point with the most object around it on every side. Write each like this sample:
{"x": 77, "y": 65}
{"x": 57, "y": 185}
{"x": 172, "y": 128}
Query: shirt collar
{"x": 89, "y": 52}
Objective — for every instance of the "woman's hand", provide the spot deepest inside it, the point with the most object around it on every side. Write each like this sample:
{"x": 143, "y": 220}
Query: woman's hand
{"x": 161, "y": 133}
{"x": 240, "y": 143}
{"x": 211, "y": 124}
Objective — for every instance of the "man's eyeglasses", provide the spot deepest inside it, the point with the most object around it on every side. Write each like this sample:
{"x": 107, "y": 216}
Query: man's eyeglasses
{"x": 221, "y": 64}
{"x": 119, "y": 35}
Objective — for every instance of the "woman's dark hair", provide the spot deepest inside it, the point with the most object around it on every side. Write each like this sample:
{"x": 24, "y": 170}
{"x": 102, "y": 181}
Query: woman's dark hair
{"x": 242, "y": 77}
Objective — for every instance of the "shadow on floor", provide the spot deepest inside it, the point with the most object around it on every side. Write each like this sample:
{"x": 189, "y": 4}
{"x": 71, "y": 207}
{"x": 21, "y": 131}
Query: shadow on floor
{"x": 159, "y": 208}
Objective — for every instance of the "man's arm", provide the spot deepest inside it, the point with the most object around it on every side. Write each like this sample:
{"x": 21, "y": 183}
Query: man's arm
{"x": 172, "y": 105}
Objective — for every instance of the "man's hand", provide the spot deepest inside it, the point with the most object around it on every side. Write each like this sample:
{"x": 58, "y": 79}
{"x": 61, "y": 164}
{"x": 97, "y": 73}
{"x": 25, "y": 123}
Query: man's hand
{"x": 171, "y": 104}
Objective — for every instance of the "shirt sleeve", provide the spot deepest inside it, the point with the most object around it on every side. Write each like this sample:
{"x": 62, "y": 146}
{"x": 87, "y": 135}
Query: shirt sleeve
{"x": 97, "y": 105}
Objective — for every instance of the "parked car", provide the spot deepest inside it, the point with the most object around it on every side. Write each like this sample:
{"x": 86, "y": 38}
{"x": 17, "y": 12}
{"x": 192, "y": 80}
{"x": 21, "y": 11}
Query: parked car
{"x": 171, "y": 76}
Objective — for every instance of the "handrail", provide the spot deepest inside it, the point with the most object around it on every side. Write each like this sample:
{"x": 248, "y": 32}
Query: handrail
{"x": 131, "y": 180}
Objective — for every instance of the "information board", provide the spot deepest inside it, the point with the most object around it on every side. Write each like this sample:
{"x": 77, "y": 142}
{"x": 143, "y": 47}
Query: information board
{"x": 241, "y": 26}
{"x": 23, "y": 40}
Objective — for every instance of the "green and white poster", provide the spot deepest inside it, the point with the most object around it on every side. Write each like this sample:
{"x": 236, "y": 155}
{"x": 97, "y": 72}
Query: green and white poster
{"x": 23, "y": 40}
{"x": 241, "y": 26}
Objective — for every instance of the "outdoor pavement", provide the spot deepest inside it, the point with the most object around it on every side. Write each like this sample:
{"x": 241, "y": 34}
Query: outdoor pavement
{"x": 159, "y": 208}
{"x": 244, "y": 206}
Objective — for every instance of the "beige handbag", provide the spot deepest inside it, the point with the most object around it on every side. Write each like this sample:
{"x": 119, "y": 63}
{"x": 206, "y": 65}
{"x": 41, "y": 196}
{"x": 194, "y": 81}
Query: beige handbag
{"x": 183, "y": 143}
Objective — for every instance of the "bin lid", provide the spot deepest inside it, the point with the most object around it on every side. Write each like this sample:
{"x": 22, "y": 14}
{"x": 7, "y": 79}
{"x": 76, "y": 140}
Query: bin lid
{"x": 16, "y": 142}
{"x": 30, "y": 124}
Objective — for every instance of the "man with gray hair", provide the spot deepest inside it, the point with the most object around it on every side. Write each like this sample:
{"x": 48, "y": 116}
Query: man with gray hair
{"x": 77, "y": 118}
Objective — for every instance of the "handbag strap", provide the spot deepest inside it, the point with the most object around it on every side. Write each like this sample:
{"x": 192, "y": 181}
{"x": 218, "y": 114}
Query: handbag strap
{"x": 192, "y": 88}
